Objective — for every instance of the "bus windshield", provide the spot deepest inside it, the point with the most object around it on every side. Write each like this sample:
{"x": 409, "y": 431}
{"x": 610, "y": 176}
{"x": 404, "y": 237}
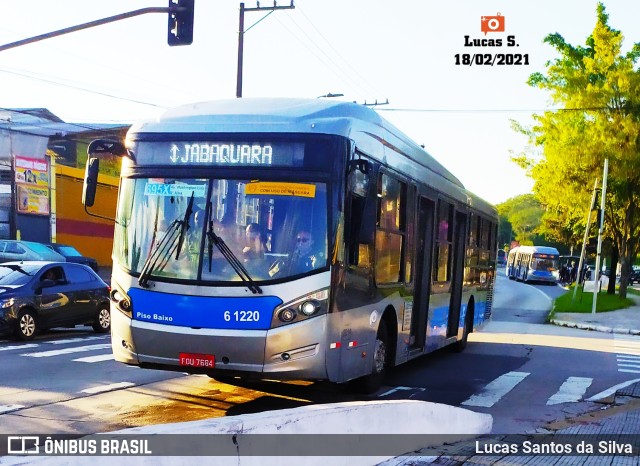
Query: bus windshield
{"x": 274, "y": 229}
{"x": 547, "y": 263}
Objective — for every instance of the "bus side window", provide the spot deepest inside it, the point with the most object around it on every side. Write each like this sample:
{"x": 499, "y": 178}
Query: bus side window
{"x": 360, "y": 221}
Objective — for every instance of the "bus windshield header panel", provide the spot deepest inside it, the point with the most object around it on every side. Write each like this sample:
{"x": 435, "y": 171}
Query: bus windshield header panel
{"x": 220, "y": 153}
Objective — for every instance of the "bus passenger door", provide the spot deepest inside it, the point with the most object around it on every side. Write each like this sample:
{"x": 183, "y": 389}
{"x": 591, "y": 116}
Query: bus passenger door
{"x": 457, "y": 273}
{"x": 422, "y": 290}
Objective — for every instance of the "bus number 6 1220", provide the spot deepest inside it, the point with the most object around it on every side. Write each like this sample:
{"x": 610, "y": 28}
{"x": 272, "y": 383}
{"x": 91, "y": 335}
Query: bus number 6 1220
{"x": 242, "y": 316}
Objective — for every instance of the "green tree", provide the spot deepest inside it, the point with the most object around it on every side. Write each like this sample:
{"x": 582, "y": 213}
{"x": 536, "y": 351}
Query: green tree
{"x": 523, "y": 215}
{"x": 597, "y": 88}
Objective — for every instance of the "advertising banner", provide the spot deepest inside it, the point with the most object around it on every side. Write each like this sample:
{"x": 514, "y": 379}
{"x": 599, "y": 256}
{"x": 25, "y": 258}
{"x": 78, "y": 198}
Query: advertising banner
{"x": 32, "y": 171}
{"x": 33, "y": 199}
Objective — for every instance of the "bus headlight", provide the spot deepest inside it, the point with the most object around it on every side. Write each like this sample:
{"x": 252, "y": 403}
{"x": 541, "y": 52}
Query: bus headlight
{"x": 309, "y": 308}
{"x": 305, "y": 307}
{"x": 287, "y": 315}
{"x": 121, "y": 300}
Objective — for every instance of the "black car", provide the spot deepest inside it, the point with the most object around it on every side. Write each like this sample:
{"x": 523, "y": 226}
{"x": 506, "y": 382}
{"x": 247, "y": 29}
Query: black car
{"x": 39, "y": 295}
{"x": 71, "y": 254}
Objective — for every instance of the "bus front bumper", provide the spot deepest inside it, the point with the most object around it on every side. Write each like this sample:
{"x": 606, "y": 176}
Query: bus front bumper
{"x": 292, "y": 351}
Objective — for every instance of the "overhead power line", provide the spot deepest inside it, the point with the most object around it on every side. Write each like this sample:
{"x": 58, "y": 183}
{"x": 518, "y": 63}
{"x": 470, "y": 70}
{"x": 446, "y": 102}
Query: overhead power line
{"x": 57, "y": 83}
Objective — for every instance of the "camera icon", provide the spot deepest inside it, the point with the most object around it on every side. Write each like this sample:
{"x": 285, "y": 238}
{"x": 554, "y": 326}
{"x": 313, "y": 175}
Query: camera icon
{"x": 492, "y": 23}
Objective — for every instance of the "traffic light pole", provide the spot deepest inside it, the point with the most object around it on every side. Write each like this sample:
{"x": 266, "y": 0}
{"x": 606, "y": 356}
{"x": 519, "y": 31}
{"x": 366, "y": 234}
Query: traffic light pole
{"x": 98, "y": 22}
{"x": 241, "y": 32}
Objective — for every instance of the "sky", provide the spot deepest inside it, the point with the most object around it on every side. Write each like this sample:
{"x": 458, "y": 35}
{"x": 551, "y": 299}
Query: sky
{"x": 401, "y": 51}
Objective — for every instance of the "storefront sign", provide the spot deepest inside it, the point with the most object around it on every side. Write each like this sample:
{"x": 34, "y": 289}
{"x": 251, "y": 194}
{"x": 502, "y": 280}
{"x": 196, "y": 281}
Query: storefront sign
{"x": 33, "y": 199}
{"x": 32, "y": 171}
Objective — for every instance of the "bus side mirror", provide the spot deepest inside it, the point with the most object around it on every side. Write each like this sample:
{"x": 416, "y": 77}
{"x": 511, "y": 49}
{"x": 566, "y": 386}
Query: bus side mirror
{"x": 106, "y": 146}
{"x": 363, "y": 166}
{"x": 90, "y": 181}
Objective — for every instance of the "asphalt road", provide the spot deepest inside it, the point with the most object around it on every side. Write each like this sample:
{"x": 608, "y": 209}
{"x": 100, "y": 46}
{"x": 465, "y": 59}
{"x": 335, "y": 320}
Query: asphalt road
{"x": 521, "y": 371}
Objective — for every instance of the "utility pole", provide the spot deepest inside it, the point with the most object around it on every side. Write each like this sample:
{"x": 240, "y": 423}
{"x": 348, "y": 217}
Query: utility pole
{"x": 596, "y": 287}
{"x": 592, "y": 206}
{"x": 241, "y": 32}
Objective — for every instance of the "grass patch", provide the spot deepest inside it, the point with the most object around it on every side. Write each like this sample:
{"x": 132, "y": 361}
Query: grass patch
{"x": 584, "y": 302}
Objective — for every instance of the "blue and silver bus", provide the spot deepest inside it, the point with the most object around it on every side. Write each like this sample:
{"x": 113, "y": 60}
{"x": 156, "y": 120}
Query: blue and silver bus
{"x": 533, "y": 263}
{"x": 290, "y": 239}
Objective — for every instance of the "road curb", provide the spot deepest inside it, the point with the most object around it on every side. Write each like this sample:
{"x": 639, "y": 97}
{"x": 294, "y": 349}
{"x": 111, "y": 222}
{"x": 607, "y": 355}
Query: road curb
{"x": 593, "y": 327}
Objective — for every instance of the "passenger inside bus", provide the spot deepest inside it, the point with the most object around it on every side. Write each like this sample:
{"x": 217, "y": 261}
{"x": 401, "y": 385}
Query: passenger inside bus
{"x": 256, "y": 243}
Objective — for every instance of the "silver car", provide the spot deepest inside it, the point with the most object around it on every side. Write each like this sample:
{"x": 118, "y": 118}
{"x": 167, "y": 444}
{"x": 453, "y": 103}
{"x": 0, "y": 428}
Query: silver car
{"x": 18, "y": 250}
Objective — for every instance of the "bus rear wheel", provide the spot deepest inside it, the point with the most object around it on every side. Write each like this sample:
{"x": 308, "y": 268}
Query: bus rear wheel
{"x": 461, "y": 344}
{"x": 372, "y": 382}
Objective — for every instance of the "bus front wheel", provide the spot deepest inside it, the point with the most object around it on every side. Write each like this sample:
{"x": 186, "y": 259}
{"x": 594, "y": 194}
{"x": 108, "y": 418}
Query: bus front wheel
{"x": 372, "y": 382}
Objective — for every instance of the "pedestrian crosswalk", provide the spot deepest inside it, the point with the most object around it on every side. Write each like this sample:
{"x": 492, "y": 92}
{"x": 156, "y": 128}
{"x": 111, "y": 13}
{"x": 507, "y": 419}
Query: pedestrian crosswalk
{"x": 627, "y": 354}
{"x": 97, "y": 349}
{"x": 70, "y": 350}
{"x": 572, "y": 390}
{"x": 50, "y": 348}
{"x": 628, "y": 363}
{"x": 496, "y": 389}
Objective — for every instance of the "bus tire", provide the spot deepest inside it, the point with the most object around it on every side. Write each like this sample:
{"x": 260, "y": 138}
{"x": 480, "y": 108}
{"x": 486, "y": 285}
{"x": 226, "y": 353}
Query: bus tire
{"x": 372, "y": 382}
{"x": 460, "y": 345}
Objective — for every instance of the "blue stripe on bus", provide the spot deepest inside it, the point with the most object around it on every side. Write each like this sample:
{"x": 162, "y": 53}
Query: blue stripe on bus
{"x": 246, "y": 313}
{"x": 440, "y": 315}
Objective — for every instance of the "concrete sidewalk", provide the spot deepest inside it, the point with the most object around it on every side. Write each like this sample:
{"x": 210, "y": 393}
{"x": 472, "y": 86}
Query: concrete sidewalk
{"x": 359, "y": 433}
{"x": 616, "y": 421}
{"x": 624, "y": 321}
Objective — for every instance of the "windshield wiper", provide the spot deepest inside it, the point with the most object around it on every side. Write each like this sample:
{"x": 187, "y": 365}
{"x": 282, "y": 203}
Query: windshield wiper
{"x": 16, "y": 268}
{"x": 185, "y": 224}
{"x": 235, "y": 263}
{"x": 170, "y": 242}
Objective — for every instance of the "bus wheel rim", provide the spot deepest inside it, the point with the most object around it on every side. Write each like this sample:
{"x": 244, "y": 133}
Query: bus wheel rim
{"x": 379, "y": 356}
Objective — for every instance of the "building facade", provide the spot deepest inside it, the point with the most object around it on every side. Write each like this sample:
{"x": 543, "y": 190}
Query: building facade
{"x": 42, "y": 163}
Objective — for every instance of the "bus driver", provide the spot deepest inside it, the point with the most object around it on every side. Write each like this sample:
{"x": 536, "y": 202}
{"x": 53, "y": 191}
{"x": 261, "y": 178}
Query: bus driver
{"x": 303, "y": 259}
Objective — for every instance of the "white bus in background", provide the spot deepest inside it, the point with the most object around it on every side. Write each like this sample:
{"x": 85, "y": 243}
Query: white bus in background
{"x": 533, "y": 264}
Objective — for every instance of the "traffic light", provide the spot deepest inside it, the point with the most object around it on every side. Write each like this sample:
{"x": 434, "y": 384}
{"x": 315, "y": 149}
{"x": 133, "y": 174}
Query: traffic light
{"x": 180, "y": 29}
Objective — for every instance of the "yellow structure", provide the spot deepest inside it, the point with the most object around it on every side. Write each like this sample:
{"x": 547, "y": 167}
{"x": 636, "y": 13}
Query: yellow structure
{"x": 91, "y": 236}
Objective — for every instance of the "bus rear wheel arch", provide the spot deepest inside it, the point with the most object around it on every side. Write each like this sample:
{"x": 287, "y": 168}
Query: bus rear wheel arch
{"x": 383, "y": 355}
{"x": 461, "y": 344}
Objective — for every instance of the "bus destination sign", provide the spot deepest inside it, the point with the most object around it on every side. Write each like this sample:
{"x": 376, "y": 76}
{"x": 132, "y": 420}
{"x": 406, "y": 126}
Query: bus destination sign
{"x": 199, "y": 153}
